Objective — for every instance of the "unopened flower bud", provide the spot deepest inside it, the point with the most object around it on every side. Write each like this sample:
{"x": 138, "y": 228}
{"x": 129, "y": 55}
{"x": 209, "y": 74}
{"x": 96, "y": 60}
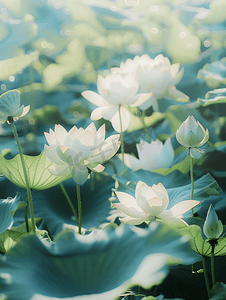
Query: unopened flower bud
{"x": 212, "y": 227}
{"x": 192, "y": 135}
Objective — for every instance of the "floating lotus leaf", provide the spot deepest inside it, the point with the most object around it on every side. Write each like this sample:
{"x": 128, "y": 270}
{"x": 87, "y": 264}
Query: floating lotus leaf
{"x": 201, "y": 245}
{"x": 213, "y": 97}
{"x": 101, "y": 265}
{"x": 214, "y": 74}
{"x": 7, "y": 209}
{"x": 12, "y": 66}
{"x": 37, "y": 168}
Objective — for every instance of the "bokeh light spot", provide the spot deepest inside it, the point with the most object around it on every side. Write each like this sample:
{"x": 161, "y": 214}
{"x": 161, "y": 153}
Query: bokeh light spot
{"x": 3, "y": 87}
{"x": 31, "y": 121}
{"x": 44, "y": 45}
{"x": 76, "y": 114}
{"x": 182, "y": 34}
{"x": 154, "y": 8}
{"x": 189, "y": 46}
{"x": 4, "y": 11}
{"x": 207, "y": 43}
{"x": 11, "y": 78}
{"x": 154, "y": 30}
{"x": 132, "y": 2}
{"x": 68, "y": 32}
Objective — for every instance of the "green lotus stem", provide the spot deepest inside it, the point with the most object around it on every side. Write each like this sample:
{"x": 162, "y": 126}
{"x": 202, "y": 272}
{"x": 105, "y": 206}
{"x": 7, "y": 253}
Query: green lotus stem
{"x": 121, "y": 137}
{"x": 155, "y": 290}
{"x": 144, "y": 125}
{"x": 25, "y": 217}
{"x": 31, "y": 77}
{"x": 79, "y": 209}
{"x": 29, "y": 196}
{"x": 69, "y": 201}
{"x": 192, "y": 183}
{"x": 212, "y": 264}
{"x": 206, "y": 276}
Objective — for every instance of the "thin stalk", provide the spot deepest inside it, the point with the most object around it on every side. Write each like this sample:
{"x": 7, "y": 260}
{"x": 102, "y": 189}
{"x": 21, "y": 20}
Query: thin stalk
{"x": 144, "y": 125}
{"x": 192, "y": 183}
{"x": 206, "y": 276}
{"x": 155, "y": 290}
{"x": 69, "y": 201}
{"x": 79, "y": 209}
{"x": 31, "y": 79}
{"x": 26, "y": 219}
{"x": 212, "y": 265}
{"x": 29, "y": 196}
{"x": 121, "y": 137}
{"x": 32, "y": 102}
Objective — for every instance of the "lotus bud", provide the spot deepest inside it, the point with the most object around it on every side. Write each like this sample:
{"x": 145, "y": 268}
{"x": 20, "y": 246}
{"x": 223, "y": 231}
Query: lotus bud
{"x": 10, "y": 108}
{"x": 212, "y": 227}
{"x": 192, "y": 135}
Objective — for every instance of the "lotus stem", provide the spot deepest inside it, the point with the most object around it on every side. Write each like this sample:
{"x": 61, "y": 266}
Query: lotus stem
{"x": 144, "y": 125}
{"x": 69, "y": 201}
{"x": 26, "y": 219}
{"x": 212, "y": 264}
{"x": 31, "y": 77}
{"x": 79, "y": 209}
{"x": 29, "y": 196}
{"x": 192, "y": 183}
{"x": 206, "y": 276}
{"x": 121, "y": 138}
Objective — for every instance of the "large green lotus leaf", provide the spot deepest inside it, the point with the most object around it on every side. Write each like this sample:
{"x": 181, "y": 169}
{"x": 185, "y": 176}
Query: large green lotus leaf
{"x": 100, "y": 266}
{"x": 12, "y": 66}
{"x": 53, "y": 207}
{"x": 183, "y": 50}
{"x": 37, "y": 168}
{"x": 7, "y": 209}
{"x": 214, "y": 74}
{"x": 204, "y": 187}
{"x": 202, "y": 246}
{"x": 213, "y": 97}
{"x": 216, "y": 12}
{"x": 136, "y": 122}
{"x": 127, "y": 180}
{"x": 183, "y": 167}
{"x": 10, "y": 237}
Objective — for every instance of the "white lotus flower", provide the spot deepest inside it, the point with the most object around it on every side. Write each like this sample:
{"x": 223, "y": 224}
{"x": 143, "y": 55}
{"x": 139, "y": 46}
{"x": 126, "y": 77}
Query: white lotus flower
{"x": 77, "y": 150}
{"x": 152, "y": 156}
{"x": 150, "y": 203}
{"x": 156, "y": 76}
{"x": 115, "y": 91}
{"x": 10, "y": 106}
{"x": 192, "y": 135}
{"x": 212, "y": 228}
